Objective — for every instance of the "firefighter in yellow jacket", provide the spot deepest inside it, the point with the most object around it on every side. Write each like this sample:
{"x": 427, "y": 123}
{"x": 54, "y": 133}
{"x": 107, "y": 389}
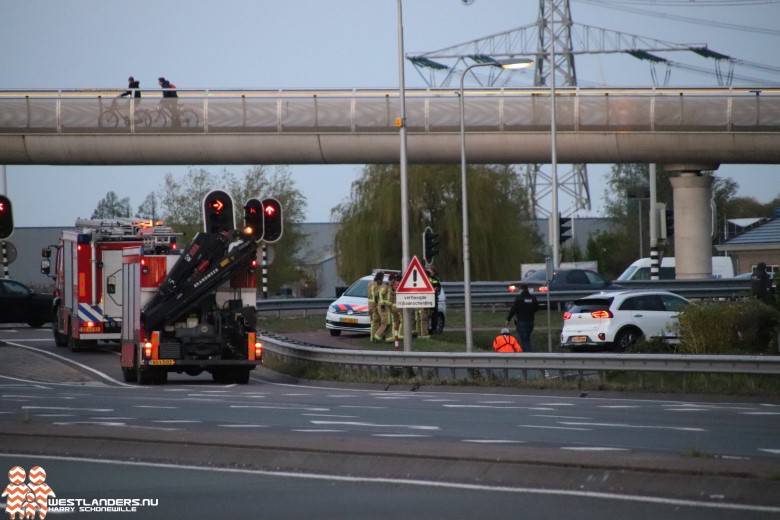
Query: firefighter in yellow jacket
{"x": 383, "y": 309}
{"x": 373, "y": 302}
{"x": 396, "y": 324}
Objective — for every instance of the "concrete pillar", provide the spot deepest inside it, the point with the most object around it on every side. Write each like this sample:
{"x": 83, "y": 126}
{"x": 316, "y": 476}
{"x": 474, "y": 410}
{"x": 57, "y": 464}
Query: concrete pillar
{"x": 692, "y": 221}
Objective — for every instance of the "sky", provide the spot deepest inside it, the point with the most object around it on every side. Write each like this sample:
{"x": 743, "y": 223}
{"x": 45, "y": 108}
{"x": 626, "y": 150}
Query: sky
{"x": 245, "y": 44}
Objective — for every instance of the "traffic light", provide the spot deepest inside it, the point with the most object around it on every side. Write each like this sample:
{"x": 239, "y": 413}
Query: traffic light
{"x": 272, "y": 220}
{"x": 430, "y": 245}
{"x": 564, "y": 227}
{"x": 253, "y": 219}
{"x": 218, "y": 212}
{"x": 6, "y": 217}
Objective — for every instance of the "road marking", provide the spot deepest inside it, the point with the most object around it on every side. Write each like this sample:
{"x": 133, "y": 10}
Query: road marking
{"x": 114, "y": 425}
{"x": 773, "y": 451}
{"x": 593, "y": 448}
{"x": 176, "y": 421}
{"x": 637, "y": 426}
{"x": 80, "y": 365}
{"x": 156, "y": 407}
{"x": 67, "y": 409}
{"x": 243, "y": 426}
{"x": 329, "y": 415}
{"x": 279, "y": 407}
{"x": 759, "y": 413}
{"x": 617, "y": 406}
{"x": 375, "y": 425}
{"x": 560, "y": 417}
{"x": 488, "y": 407}
{"x": 418, "y": 483}
{"x": 554, "y": 427}
{"x": 492, "y": 441}
{"x": 399, "y": 435}
{"x": 316, "y": 430}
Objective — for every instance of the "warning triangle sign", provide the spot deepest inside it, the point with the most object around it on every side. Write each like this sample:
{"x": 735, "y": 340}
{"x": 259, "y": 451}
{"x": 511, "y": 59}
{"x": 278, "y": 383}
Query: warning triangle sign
{"x": 415, "y": 280}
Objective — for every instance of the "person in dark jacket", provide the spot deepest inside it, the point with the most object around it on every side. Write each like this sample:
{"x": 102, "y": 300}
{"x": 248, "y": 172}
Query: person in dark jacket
{"x": 169, "y": 101}
{"x": 760, "y": 283}
{"x": 523, "y": 310}
{"x": 133, "y": 88}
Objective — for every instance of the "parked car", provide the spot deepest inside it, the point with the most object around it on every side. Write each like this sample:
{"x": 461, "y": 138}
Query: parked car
{"x": 565, "y": 280}
{"x": 20, "y": 304}
{"x": 350, "y": 311}
{"x": 617, "y": 320}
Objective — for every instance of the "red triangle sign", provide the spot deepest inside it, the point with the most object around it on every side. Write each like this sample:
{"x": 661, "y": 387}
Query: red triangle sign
{"x": 415, "y": 279}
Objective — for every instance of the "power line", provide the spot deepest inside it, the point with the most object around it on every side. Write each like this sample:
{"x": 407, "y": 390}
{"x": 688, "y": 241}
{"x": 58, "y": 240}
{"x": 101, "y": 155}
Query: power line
{"x": 613, "y": 4}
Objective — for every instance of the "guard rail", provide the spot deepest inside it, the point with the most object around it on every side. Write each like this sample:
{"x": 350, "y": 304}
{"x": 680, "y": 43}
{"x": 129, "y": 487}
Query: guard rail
{"x": 436, "y": 361}
{"x": 497, "y": 294}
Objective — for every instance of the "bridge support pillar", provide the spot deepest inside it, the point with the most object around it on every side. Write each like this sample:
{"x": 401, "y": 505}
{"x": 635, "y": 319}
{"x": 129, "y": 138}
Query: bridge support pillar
{"x": 692, "y": 220}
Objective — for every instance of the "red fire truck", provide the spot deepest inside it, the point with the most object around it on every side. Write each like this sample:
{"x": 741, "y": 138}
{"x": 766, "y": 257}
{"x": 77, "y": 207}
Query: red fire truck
{"x": 192, "y": 312}
{"x": 87, "y": 275}
{"x": 196, "y": 311}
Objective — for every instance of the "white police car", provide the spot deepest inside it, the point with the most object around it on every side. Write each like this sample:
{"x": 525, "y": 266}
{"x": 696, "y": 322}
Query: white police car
{"x": 350, "y": 311}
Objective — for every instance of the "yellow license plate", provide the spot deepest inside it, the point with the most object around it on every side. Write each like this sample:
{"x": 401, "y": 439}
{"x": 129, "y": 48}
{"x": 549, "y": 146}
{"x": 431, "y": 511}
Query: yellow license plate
{"x": 89, "y": 329}
{"x": 349, "y": 320}
{"x": 162, "y": 362}
{"x": 579, "y": 339}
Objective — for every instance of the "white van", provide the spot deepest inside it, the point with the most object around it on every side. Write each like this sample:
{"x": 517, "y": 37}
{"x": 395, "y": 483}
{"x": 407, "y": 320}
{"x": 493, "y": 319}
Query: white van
{"x": 722, "y": 267}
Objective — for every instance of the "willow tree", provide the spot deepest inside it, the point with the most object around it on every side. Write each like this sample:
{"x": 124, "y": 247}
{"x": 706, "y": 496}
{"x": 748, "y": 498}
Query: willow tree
{"x": 500, "y": 235}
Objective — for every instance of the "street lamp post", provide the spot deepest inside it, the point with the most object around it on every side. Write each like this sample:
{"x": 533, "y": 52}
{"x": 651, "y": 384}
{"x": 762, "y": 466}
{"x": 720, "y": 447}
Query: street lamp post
{"x": 401, "y": 123}
{"x": 510, "y": 64}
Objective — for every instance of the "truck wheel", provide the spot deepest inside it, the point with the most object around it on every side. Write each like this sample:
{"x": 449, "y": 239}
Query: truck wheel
{"x": 130, "y": 375}
{"x": 61, "y": 340}
{"x": 241, "y": 376}
{"x": 144, "y": 376}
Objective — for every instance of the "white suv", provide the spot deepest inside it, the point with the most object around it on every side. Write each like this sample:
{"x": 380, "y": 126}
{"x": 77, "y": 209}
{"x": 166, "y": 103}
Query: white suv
{"x": 619, "y": 319}
{"x": 350, "y": 311}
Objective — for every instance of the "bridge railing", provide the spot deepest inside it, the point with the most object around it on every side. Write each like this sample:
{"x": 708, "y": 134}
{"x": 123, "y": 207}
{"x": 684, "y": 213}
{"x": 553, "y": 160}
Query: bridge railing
{"x": 375, "y": 110}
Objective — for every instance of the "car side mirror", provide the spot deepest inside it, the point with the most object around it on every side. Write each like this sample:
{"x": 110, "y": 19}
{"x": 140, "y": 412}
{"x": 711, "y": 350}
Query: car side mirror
{"x": 45, "y": 266}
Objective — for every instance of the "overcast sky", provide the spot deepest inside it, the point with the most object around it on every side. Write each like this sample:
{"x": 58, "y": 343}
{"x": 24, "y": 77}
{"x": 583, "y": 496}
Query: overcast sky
{"x": 316, "y": 43}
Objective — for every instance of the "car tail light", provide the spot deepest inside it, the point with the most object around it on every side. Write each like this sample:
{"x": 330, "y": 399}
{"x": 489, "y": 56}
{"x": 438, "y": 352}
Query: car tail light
{"x": 512, "y": 288}
{"x": 604, "y": 314}
{"x": 567, "y": 315}
{"x": 543, "y": 288}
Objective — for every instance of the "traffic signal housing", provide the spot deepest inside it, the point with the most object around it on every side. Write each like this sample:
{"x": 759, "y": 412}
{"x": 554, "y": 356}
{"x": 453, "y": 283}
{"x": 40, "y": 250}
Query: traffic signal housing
{"x": 6, "y": 217}
{"x": 218, "y": 213}
{"x": 564, "y": 229}
{"x": 272, "y": 220}
{"x": 431, "y": 244}
{"x": 253, "y": 219}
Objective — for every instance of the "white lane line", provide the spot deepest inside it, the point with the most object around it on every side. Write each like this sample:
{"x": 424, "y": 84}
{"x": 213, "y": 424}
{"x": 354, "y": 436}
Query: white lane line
{"x": 490, "y": 407}
{"x": 419, "y": 483}
{"x": 635, "y": 426}
{"x": 773, "y": 451}
{"x": 759, "y": 413}
{"x": 555, "y": 404}
{"x": 333, "y": 416}
{"x": 70, "y": 361}
{"x": 399, "y": 435}
{"x": 554, "y": 427}
{"x": 317, "y": 430}
{"x": 176, "y": 421}
{"x": 560, "y": 417}
{"x": 156, "y": 407}
{"x": 375, "y": 425}
{"x": 68, "y": 409}
{"x": 115, "y": 425}
{"x": 593, "y": 448}
{"x": 243, "y": 426}
{"x": 492, "y": 441}
{"x": 617, "y": 406}
{"x": 292, "y": 407}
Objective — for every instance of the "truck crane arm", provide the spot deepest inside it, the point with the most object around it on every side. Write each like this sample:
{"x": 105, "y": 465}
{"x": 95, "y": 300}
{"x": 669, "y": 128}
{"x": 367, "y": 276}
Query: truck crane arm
{"x": 209, "y": 260}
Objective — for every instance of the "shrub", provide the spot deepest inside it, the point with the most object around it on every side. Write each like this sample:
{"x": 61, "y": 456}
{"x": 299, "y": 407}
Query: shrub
{"x": 740, "y": 327}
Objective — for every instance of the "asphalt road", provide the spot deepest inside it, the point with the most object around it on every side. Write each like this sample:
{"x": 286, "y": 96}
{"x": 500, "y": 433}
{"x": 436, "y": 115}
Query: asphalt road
{"x": 712, "y": 453}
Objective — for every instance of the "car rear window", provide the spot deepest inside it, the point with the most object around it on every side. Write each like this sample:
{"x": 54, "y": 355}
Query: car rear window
{"x": 590, "y": 305}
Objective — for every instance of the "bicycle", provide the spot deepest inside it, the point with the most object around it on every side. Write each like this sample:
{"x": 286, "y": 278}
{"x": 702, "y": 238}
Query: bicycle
{"x": 170, "y": 113}
{"x": 110, "y": 117}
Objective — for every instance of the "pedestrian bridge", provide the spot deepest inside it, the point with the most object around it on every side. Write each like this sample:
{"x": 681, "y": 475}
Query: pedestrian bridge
{"x": 704, "y": 126}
